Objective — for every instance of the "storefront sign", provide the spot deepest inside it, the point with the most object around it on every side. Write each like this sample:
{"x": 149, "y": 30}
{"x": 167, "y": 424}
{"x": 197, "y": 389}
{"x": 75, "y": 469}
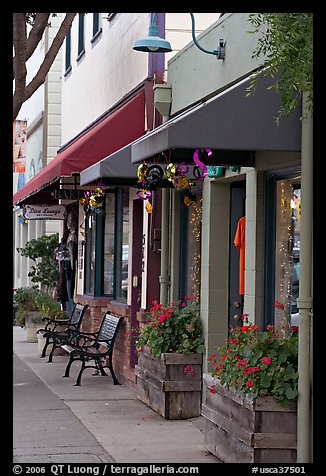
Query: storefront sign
{"x": 44, "y": 212}
{"x": 68, "y": 194}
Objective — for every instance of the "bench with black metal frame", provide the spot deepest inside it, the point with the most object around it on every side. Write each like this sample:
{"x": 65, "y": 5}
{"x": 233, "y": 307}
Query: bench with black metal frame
{"x": 54, "y": 336}
{"x": 95, "y": 349}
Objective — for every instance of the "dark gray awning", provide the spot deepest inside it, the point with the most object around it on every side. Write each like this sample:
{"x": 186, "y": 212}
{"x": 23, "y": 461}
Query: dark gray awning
{"x": 233, "y": 125}
{"x": 117, "y": 167}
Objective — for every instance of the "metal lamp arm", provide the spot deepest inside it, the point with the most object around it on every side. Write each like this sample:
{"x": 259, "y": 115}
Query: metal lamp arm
{"x": 220, "y": 52}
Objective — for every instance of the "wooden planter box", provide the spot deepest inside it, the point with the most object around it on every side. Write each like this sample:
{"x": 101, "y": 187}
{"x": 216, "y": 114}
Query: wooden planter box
{"x": 167, "y": 386}
{"x": 238, "y": 429}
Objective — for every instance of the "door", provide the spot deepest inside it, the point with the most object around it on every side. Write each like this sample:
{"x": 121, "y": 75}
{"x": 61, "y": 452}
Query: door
{"x": 137, "y": 233}
{"x": 237, "y": 211}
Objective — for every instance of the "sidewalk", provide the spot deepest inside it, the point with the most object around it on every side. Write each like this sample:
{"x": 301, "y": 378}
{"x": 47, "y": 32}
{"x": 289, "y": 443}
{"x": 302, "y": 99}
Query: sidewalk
{"x": 128, "y": 430}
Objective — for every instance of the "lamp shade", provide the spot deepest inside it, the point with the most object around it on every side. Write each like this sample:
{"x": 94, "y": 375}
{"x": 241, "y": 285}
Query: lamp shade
{"x": 152, "y": 43}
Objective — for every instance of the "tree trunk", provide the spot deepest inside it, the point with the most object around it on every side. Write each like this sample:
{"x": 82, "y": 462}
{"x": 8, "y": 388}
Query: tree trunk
{"x": 24, "y": 49}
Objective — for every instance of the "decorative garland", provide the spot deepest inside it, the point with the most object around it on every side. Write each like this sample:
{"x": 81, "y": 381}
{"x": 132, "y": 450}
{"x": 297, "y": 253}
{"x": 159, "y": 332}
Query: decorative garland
{"x": 173, "y": 176}
{"x": 93, "y": 201}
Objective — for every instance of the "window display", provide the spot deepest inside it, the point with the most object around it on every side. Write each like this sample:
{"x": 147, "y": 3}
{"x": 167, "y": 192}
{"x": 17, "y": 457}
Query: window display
{"x": 287, "y": 252}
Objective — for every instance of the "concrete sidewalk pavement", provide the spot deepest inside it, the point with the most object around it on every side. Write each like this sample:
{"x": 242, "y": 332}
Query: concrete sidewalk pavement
{"x": 128, "y": 430}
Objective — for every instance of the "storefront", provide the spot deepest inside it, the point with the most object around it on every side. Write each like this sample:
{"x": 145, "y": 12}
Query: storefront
{"x": 246, "y": 143}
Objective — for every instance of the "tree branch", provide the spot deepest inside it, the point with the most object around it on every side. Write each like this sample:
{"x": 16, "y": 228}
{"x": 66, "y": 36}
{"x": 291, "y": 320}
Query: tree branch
{"x": 36, "y": 33}
{"x": 49, "y": 58}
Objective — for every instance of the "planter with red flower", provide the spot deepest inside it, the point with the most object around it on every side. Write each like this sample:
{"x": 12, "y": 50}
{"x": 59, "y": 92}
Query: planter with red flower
{"x": 251, "y": 394}
{"x": 169, "y": 369}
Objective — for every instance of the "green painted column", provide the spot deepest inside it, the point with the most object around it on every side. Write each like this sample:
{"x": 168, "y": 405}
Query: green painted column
{"x": 165, "y": 229}
{"x": 305, "y": 303}
{"x": 214, "y": 265}
{"x": 174, "y": 247}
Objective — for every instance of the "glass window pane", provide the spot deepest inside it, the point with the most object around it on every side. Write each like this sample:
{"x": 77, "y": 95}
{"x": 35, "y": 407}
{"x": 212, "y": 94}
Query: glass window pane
{"x": 287, "y": 266}
{"x": 109, "y": 238}
{"x": 90, "y": 254}
{"x": 68, "y": 50}
{"x": 81, "y": 33}
{"x": 96, "y": 23}
{"x": 123, "y": 251}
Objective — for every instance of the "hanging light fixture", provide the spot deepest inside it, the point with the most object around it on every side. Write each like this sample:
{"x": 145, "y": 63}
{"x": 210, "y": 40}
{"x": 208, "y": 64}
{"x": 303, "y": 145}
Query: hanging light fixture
{"x": 153, "y": 43}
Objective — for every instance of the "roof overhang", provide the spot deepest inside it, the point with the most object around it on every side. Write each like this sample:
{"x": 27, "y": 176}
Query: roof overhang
{"x": 117, "y": 168}
{"x": 119, "y": 128}
{"x": 233, "y": 125}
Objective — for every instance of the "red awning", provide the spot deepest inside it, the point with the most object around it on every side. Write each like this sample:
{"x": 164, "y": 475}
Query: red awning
{"x": 115, "y": 131}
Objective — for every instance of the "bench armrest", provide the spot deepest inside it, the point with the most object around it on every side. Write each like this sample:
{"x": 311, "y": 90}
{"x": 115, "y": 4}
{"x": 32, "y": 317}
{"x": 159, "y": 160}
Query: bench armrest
{"x": 55, "y": 321}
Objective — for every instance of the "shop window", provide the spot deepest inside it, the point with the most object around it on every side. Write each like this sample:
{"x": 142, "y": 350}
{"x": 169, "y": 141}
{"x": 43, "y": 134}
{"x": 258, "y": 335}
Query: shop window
{"x": 116, "y": 247}
{"x": 90, "y": 252}
{"x": 107, "y": 247}
{"x": 109, "y": 236}
{"x": 283, "y": 252}
{"x": 287, "y": 265}
{"x": 190, "y": 246}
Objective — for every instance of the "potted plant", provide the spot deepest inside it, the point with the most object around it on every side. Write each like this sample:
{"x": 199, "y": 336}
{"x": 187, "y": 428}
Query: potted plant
{"x": 51, "y": 309}
{"x": 34, "y": 304}
{"x": 28, "y": 314}
{"x": 169, "y": 369}
{"x": 251, "y": 393}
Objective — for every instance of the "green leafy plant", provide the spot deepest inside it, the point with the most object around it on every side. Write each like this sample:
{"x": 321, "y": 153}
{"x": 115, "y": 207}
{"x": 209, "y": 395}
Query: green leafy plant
{"x": 286, "y": 42}
{"x": 49, "y": 307}
{"x": 25, "y": 299}
{"x": 34, "y": 299}
{"x": 175, "y": 328}
{"x": 42, "y": 249}
{"x": 257, "y": 362}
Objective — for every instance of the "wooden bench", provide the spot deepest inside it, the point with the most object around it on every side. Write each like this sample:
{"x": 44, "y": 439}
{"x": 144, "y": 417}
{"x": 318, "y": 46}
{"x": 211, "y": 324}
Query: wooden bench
{"x": 94, "y": 350}
{"x": 52, "y": 333}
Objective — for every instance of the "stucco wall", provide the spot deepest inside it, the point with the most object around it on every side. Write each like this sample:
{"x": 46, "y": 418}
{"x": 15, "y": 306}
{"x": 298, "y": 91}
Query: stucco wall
{"x": 110, "y": 68}
{"x": 195, "y": 75}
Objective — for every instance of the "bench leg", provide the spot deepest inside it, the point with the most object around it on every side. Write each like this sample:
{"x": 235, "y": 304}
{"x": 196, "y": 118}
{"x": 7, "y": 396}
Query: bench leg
{"x": 69, "y": 365}
{"x": 83, "y": 366}
{"x": 54, "y": 346}
{"x": 47, "y": 342}
{"x": 115, "y": 380}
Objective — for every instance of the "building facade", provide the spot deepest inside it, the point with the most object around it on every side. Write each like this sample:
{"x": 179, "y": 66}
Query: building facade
{"x": 41, "y": 118}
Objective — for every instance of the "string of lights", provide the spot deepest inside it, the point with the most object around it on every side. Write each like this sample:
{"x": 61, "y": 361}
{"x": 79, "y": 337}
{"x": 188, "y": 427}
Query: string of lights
{"x": 195, "y": 225}
{"x": 284, "y": 258}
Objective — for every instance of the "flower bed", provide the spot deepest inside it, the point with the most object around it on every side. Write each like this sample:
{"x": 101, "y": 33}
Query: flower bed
{"x": 251, "y": 396}
{"x": 259, "y": 363}
{"x": 169, "y": 370}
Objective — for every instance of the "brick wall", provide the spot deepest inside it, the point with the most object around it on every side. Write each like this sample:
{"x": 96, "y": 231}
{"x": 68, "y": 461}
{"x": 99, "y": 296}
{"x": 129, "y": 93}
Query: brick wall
{"x": 97, "y": 306}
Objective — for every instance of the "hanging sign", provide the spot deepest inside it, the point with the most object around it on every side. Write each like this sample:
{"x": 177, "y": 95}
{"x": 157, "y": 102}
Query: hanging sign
{"x": 44, "y": 212}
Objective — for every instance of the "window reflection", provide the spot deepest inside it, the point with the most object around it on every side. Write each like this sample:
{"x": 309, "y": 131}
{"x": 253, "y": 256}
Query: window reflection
{"x": 287, "y": 264}
{"x": 116, "y": 244}
{"x": 109, "y": 244}
{"x": 90, "y": 253}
